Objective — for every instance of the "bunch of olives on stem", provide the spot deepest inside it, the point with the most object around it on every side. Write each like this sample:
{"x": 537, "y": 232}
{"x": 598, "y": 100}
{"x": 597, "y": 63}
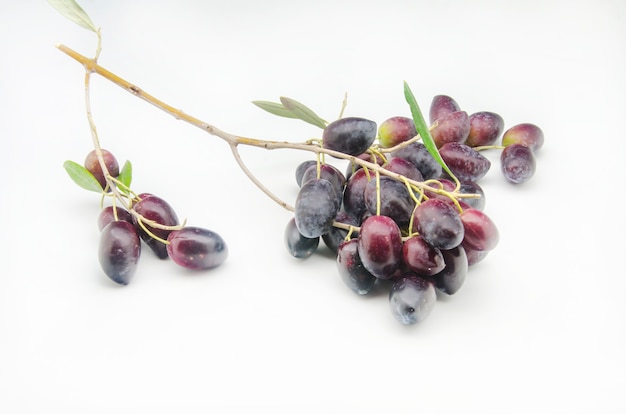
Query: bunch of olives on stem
{"x": 406, "y": 214}
{"x": 131, "y": 220}
{"x": 419, "y": 241}
{"x": 415, "y": 232}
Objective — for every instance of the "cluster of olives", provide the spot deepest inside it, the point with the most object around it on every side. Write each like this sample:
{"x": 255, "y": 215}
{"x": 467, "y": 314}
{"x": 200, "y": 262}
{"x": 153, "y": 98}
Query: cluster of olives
{"x": 404, "y": 219}
{"x": 150, "y": 219}
{"x": 454, "y": 131}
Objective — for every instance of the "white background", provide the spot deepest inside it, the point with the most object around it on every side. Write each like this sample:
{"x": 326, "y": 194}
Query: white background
{"x": 539, "y": 325}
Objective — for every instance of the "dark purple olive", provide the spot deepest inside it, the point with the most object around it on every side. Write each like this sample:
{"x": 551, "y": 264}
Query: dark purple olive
{"x": 518, "y": 163}
{"x": 158, "y": 210}
{"x": 352, "y": 136}
{"x": 441, "y": 106}
{"x": 452, "y": 277}
{"x": 465, "y": 162}
{"x": 380, "y": 246}
{"x": 354, "y": 193}
{"x": 474, "y": 256}
{"x": 485, "y": 129}
{"x": 421, "y": 257}
{"x": 336, "y": 235}
{"x": 439, "y": 224}
{"x": 196, "y": 248}
{"x": 396, "y": 130}
{"x": 297, "y": 245}
{"x": 327, "y": 172}
{"x": 472, "y": 187}
{"x": 454, "y": 127}
{"x": 119, "y": 250}
{"x": 301, "y": 168}
{"x": 316, "y": 206}
{"x": 481, "y": 232}
{"x": 526, "y": 134}
{"x": 391, "y": 197}
{"x": 405, "y": 168}
{"x": 107, "y": 215}
{"x": 412, "y": 299}
{"x": 92, "y": 164}
{"x": 418, "y": 154}
{"x": 351, "y": 269}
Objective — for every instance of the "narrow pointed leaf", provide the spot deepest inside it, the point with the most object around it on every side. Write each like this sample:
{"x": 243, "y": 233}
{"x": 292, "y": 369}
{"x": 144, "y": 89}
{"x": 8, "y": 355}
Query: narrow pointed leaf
{"x": 71, "y": 10}
{"x": 275, "y": 108}
{"x": 81, "y": 176}
{"x": 422, "y": 128}
{"x": 126, "y": 177}
{"x": 303, "y": 112}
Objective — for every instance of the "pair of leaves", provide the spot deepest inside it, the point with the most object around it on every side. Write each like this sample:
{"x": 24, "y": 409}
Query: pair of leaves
{"x": 85, "y": 179}
{"x": 290, "y": 108}
{"x": 71, "y": 10}
{"x": 422, "y": 128}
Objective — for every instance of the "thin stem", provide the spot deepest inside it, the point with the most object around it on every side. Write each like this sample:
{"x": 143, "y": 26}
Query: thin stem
{"x": 369, "y": 166}
{"x": 457, "y": 183}
{"x": 141, "y": 223}
{"x": 351, "y": 229}
{"x": 99, "y": 46}
{"x": 91, "y": 66}
{"x": 96, "y": 143}
{"x": 411, "y": 192}
{"x": 256, "y": 181}
{"x": 143, "y": 220}
{"x": 343, "y": 105}
{"x": 488, "y": 147}
{"x": 318, "y": 166}
{"x": 115, "y": 215}
{"x": 377, "y": 193}
{"x": 94, "y": 133}
{"x": 400, "y": 145}
{"x": 118, "y": 183}
{"x": 412, "y": 221}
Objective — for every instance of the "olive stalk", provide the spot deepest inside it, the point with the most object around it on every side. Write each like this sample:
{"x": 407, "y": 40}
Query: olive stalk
{"x": 112, "y": 183}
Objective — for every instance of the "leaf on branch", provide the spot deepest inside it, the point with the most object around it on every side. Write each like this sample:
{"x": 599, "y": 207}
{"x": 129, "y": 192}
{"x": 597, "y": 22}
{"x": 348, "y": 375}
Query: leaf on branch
{"x": 422, "y": 128}
{"x": 303, "y": 112}
{"x": 275, "y": 108}
{"x": 290, "y": 108}
{"x": 126, "y": 177}
{"x": 81, "y": 176}
{"x": 71, "y": 10}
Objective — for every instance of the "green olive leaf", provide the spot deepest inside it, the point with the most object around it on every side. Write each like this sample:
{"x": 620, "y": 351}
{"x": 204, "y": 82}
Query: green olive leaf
{"x": 303, "y": 112}
{"x": 275, "y": 108}
{"x": 81, "y": 176}
{"x": 126, "y": 177}
{"x": 71, "y": 10}
{"x": 423, "y": 130}
{"x": 290, "y": 108}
